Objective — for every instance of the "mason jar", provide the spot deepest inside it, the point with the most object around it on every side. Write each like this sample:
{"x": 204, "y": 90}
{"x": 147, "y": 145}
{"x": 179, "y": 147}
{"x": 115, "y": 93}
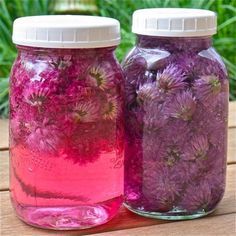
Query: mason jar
{"x": 66, "y": 121}
{"x": 176, "y": 110}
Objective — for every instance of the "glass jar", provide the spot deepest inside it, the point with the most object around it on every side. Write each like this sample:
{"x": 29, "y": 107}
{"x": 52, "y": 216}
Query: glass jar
{"x": 66, "y": 121}
{"x": 176, "y": 112}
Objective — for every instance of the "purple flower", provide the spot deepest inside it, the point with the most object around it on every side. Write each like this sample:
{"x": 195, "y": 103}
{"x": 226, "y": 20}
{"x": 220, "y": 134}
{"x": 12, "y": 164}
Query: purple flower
{"x": 187, "y": 170}
{"x": 147, "y": 92}
{"x": 198, "y": 198}
{"x": 212, "y": 161}
{"x": 215, "y": 115}
{"x": 187, "y": 64}
{"x": 153, "y": 149}
{"x": 175, "y": 126}
{"x": 201, "y": 119}
{"x": 215, "y": 175}
{"x": 170, "y": 80}
{"x": 172, "y": 155}
{"x": 161, "y": 187}
{"x": 182, "y": 106}
{"x": 197, "y": 148}
{"x": 181, "y": 126}
{"x": 219, "y": 108}
{"x": 153, "y": 119}
{"x": 86, "y": 111}
{"x": 207, "y": 65}
{"x": 207, "y": 88}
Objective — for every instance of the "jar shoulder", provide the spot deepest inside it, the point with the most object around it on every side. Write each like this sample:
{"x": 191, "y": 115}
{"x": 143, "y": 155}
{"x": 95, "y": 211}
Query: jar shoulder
{"x": 64, "y": 79}
{"x": 214, "y": 58}
{"x": 42, "y": 66}
{"x": 204, "y": 62}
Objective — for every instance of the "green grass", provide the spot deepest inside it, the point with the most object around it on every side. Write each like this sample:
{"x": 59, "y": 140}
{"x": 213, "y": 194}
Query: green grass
{"x": 224, "y": 41}
{"x": 9, "y": 10}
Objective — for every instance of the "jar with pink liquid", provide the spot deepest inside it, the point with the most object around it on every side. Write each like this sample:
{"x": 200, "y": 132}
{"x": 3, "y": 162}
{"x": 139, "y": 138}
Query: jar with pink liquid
{"x": 66, "y": 121}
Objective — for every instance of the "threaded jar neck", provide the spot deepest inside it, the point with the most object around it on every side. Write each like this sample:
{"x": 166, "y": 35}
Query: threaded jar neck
{"x": 174, "y": 44}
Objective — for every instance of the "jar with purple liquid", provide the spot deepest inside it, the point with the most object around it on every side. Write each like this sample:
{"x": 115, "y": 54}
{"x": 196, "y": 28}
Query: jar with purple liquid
{"x": 66, "y": 121}
{"x": 176, "y": 110}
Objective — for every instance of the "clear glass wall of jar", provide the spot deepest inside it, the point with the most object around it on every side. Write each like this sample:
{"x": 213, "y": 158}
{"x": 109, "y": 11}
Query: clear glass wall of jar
{"x": 175, "y": 120}
{"x": 66, "y": 125}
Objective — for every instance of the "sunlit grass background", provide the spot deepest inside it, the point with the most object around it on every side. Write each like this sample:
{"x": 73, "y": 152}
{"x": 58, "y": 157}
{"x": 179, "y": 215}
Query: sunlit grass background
{"x": 224, "y": 41}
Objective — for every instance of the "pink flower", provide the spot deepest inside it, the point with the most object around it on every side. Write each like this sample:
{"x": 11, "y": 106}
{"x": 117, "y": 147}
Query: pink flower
{"x": 36, "y": 94}
{"x": 75, "y": 92}
{"x": 86, "y": 111}
{"x": 99, "y": 76}
{"x": 43, "y": 137}
{"x": 82, "y": 151}
{"x": 111, "y": 108}
{"x": 182, "y": 106}
{"x": 50, "y": 77}
{"x": 17, "y": 130}
{"x": 62, "y": 63}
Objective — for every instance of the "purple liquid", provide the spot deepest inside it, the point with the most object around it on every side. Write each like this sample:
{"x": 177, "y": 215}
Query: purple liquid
{"x": 176, "y": 127}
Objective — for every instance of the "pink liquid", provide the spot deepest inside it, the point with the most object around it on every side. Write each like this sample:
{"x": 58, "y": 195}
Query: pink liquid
{"x": 66, "y": 137}
{"x": 52, "y": 192}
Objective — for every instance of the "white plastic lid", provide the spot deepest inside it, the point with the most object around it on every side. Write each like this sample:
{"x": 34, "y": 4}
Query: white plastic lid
{"x": 66, "y": 31}
{"x": 174, "y": 22}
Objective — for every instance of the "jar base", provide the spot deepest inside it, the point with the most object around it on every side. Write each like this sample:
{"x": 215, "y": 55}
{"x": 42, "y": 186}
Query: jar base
{"x": 170, "y": 215}
{"x": 68, "y": 217}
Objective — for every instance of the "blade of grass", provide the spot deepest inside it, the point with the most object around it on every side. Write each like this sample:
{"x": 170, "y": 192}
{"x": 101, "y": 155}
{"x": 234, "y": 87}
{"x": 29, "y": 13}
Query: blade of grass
{"x": 226, "y": 23}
